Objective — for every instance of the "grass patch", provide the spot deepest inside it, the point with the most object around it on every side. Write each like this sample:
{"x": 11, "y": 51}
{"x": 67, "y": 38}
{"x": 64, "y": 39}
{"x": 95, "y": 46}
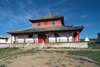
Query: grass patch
{"x": 7, "y": 49}
{"x": 3, "y": 65}
{"x": 93, "y": 45}
{"x": 40, "y": 57}
{"x": 95, "y": 55}
{"x": 9, "y": 58}
{"x": 8, "y": 62}
{"x": 82, "y": 61}
{"x": 5, "y": 52}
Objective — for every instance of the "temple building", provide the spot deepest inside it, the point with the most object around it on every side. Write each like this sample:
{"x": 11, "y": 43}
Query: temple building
{"x": 49, "y": 28}
{"x": 6, "y": 39}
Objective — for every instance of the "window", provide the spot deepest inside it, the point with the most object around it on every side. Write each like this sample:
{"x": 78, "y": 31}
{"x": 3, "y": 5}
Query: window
{"x": 30, "y": 36}
{"x": 53, "y": 22}
{"x": 56, "y": 35}
{"x": 38, "y": 23}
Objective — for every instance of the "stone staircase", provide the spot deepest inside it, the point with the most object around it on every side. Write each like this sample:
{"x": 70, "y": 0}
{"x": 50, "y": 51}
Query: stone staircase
{"x": 30, "y": 46}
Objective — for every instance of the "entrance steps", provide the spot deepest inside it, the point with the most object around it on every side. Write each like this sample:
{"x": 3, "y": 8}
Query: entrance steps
{"x": 33, "y": 46}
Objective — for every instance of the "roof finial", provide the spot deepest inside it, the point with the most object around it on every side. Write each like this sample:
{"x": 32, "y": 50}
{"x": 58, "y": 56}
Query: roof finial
{"x": 86, "y": 36}
{"x": 49, "y": 13}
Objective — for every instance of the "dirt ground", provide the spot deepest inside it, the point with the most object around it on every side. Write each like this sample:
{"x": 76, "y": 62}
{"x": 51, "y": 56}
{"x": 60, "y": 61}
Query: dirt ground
{"x": 43, "y": 59}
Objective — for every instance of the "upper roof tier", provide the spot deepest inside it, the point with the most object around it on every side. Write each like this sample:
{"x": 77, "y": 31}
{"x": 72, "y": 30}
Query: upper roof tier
{"x": 49, "y": 17}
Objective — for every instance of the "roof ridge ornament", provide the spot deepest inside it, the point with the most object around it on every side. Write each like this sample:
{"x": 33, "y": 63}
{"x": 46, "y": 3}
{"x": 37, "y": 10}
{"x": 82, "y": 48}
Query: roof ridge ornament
{"x": 49, "y": 13}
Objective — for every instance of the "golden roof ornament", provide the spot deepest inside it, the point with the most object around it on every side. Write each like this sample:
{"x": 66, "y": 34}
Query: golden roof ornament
{"x": 49, "y": 13}
{"x": 86, "y": 36}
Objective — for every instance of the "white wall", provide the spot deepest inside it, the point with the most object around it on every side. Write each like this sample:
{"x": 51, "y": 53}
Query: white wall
{"x": 21, "y": 38}
{"x": 2, "y": 40}
{"x": 64, "y": 37}
{"x": 51, "y": 37}
{"x": 9, "y": 40}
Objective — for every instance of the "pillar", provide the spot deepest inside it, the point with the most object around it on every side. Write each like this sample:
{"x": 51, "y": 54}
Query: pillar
{"x": 35, "y": 38}
{"x": 25, "y": 39}
{"x": 72, "y": 36}
{"x": 74, "y": 39}
{"x": 14, "y": 44}
{"x": 47, "y": 37}
{"x": 15, "y": 38}
{"x": 59, "y": 37}
{"x": 78, "y": 36}
{"x": 11, "y": 38}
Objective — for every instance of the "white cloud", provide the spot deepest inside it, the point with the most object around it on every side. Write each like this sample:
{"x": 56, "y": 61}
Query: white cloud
{"x": 83, "y": 16}
{"x": 60, "y": 2}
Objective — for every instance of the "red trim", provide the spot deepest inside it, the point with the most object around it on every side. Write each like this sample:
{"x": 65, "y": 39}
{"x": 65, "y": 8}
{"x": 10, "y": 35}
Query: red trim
{"x": 14, "y": 44}
{"x": 59, "y": 37}
{"x": 34, "y": 24}
{"x": 78, "y": 36}
{"x": 47, "y": 37}
{"x": 58, "y": 22}
{"x": 25, "y": 38}
{"x": 11, "y": 39}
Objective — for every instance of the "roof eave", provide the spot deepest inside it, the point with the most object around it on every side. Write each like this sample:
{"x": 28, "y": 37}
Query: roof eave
{"x": 34, "y": 20}
{"x": 80, "y": 29}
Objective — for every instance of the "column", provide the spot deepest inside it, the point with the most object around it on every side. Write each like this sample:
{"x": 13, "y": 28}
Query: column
{"x": 15, "y": 38}
{"x": 59, "y": 37}
{"x": 11, "y": 38}
{"x": 35, "y": 38}
{"x": 25, "y": 39}
{"x": 72, "y": 36}
{"x": 15, "y": 41}
{"x": 47, "y": 37}
{"x": 78, "y": 36}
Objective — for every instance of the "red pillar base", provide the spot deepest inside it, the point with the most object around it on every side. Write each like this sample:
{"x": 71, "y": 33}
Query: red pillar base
{"x": 14, "y": 44}
{"x": 78, "y": 36}
{"x": 35, "y": 39}
{"x": 72, "y": 36}
{"x": 59, "y": 37}
{"x": 25, "y": 38}
{"x": 47, "y": 38}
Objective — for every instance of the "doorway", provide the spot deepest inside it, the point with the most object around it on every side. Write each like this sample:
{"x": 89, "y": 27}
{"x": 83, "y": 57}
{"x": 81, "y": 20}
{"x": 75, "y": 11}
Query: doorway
{"x": 42, "y": 37}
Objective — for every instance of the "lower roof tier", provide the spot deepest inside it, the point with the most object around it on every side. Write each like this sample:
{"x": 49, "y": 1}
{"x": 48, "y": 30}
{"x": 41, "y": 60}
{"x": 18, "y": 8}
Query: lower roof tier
{"x": 46, "y": 29}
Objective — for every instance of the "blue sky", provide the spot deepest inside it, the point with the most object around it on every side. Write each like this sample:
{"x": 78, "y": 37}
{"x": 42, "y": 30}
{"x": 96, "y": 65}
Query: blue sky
{"x": 14, "y": 14}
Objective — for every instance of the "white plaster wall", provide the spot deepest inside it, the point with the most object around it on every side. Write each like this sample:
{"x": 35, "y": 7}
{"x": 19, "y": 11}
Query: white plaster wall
{"x": 2, "y": 40}
{"x": 64, "y": 37}
{"x": 21, "y": 39}
{"x": 75, "y": 45}
{"x": 51, "y": 37}
{"x": 9, "y": 39}
{"x": 29, "y": 39}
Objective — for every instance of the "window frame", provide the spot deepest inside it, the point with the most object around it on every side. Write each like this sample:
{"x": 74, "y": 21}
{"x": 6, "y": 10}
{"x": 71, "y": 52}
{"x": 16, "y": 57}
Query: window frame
{"x": 30, "y": 36}
{"x": 53, "y": 22}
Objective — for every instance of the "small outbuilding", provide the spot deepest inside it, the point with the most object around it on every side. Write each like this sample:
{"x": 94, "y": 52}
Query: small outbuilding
{"x": 6, "y": 39}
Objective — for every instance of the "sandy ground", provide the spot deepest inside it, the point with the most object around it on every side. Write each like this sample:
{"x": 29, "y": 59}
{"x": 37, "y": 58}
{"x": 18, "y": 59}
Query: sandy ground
{"x": 43, "y": 59}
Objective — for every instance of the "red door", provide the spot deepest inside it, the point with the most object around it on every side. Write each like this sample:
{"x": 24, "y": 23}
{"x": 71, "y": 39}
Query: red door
{"x": 42, "y": 37}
